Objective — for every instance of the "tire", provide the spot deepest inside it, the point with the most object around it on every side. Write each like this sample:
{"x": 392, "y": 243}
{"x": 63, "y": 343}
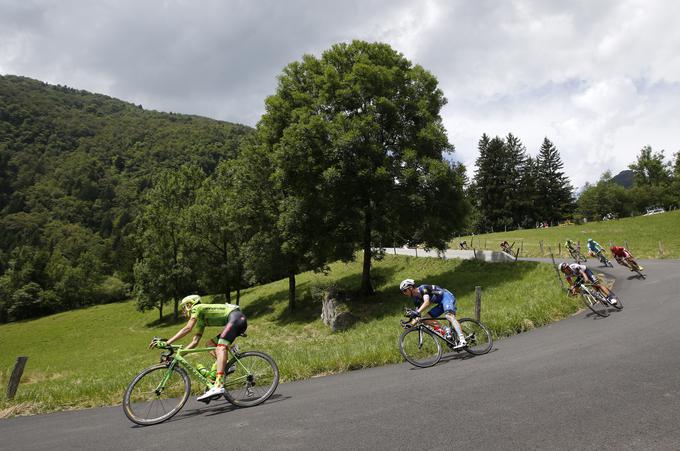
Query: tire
{"x": 619, "y": 303}
{"x": 253, "y": 380}
{"x": 478, "y": 337}
{"x": 594, "y": 304}
{"x": 145, "y": 405}
{"x": 420, "y": 347}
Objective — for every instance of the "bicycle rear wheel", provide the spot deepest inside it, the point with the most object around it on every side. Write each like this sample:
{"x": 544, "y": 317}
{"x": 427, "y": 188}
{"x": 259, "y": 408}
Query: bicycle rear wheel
{"x": 252, "y": 378}
{"x": 420, "y": 347}
{"x": 478, "y": 337}
{"x": 156, "y": 394}
{"x": 594, "y": 304}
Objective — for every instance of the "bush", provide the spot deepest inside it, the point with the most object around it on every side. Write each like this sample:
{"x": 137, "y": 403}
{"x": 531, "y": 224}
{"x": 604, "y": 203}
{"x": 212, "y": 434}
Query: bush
{"x": 111, "y": 289}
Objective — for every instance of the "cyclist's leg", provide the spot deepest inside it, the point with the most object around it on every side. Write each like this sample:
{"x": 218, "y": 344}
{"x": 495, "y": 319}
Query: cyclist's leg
{"x": 236, "y": 325}
{"x": 435, "y": 312}
{"x": 449, "y": 307}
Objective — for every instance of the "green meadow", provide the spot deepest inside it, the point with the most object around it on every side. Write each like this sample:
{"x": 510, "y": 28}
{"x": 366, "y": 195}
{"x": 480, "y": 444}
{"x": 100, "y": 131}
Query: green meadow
{"x": 85, "y": 358}
{"x": 647, "y": 237}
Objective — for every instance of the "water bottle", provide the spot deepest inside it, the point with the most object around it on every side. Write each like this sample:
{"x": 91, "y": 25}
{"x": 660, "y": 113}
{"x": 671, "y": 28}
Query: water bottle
{"x": 447, "y": 332}
{"x": 205, "y": 372}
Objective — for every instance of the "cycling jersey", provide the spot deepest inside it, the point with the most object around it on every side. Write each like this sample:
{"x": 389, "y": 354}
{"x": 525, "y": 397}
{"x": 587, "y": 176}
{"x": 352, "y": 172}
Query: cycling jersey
{"x": 594, "y": 247}
{"x": 620, "y": 252}
{"x": 445, "y": 300}
{"x": 577, "y": 271}
{"x": 211, "y": 314}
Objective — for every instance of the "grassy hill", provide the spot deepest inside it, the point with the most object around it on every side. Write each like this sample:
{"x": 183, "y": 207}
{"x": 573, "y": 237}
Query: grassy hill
{"x": 85, "y": 358}
{"x": 642, "y": 235}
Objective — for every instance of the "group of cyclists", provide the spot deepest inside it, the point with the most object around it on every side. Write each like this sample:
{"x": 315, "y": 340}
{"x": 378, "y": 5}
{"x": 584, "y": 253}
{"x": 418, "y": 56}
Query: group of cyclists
{"x": 431, "y": 301}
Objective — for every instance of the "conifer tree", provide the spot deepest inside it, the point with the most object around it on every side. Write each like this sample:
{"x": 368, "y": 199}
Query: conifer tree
{"x": 554, "y": 196}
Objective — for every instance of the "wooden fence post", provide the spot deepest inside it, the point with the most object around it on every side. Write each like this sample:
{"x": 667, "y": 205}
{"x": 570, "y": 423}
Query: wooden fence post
{"x": 521, "y": 246}
{"x": 16, "y": 377}
{"x": 559, "y": 277}
{"x": 541, "y": 244}
{"x": 478, "y": 302}
{"x": 416, "y": 248}
{"x": 484, "y": 244}
{"x": 660, "y": 249}
{"x": 559, "y": 246}
{"x": 626, "y": 244}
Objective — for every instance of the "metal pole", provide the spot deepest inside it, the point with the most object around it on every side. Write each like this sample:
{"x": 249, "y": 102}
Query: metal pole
{"x": 478, "y": 302}
{"x": 16, "y": 377}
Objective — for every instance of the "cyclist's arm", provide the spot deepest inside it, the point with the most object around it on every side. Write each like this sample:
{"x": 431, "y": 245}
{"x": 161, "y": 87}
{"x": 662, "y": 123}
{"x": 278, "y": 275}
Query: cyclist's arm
{"x": 184, "y": 330}
{"x": 195, "y": 340}
{"x": 426, "y": 304}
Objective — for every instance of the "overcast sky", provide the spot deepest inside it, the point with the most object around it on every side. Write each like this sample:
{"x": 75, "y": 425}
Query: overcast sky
{"x": 600, "y": 78}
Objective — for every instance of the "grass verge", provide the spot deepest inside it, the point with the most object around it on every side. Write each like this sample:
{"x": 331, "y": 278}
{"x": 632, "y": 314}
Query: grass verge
{"x": 86, "y": 358}
{"x": 647, "y": 237}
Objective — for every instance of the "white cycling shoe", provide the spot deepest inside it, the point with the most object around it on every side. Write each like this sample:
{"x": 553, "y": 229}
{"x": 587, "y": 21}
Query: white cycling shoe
{"x": 215, "y": 391}
{"x": 613, "y": 301}
{"x": 461, "y": 344}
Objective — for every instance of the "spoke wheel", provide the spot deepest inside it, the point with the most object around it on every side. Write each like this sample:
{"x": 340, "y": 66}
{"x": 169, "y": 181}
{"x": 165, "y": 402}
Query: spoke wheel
{"x": 594, "y": 304}
{"x": 146, "y": 402}
{"x": 420, "y": 347}
{"x": 251, "y": 379}
{"x": 478, "y": 337}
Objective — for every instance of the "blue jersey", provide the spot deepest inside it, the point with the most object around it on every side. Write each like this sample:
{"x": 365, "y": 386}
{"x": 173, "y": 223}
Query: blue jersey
{"x": 443, "y": 299}
{"x": 595, "y": 247}
{"x": 435, "y": 292}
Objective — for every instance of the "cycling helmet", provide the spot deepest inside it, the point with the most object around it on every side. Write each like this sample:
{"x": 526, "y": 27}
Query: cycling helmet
{"x": 563, "y": 266}
{"x": 590, "y": 240}
{"x": 189, "y": 301}
{"x": 406, "y": 283}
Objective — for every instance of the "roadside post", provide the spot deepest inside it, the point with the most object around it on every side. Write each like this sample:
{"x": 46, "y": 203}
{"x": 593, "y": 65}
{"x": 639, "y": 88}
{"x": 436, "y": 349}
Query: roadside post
{"x": 557, "y": 271}
{"x": 16, "y": 377}
{"x": 478, "y": 302}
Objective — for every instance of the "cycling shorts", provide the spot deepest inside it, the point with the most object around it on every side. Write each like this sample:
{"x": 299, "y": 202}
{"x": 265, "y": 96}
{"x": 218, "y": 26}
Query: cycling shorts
{"x": 236, "y": 325}
{"x": 447, "y": 305}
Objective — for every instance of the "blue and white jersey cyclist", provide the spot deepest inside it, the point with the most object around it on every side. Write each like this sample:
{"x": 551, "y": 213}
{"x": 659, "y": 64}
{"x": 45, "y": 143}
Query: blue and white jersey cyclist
{"x": 438, "y": 300}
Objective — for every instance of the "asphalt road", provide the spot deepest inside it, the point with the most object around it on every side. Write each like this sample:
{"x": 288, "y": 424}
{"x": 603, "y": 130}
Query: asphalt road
{"x": 583, "y": 383}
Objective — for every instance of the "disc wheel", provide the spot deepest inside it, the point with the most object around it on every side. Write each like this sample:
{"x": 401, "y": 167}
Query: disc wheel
{"x": 156, "y": 394}
{"x": 252, "y": 377}
{"x": 478, "y": 337}
{"x": 594, "y": 304}
{"x": 420, "y": 347}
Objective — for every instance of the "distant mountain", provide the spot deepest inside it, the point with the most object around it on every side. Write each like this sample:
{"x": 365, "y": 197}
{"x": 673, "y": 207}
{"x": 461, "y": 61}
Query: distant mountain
{"x": 624, "y": 178}
{"x": 74, "y": 170}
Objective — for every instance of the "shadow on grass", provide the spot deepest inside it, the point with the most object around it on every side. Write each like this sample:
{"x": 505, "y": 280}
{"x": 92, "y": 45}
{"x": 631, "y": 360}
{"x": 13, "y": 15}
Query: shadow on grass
{"x": 166, "y": 320}
{"x": 460, "y": 277}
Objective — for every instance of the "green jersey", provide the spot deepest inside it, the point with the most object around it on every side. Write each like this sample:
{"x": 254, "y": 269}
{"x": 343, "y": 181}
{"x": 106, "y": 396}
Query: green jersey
{"x": 211, "y": 314}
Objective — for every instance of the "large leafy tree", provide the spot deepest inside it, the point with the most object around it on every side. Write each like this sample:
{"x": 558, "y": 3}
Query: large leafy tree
{"x": 165, "y": 270}
{"x": 358, "y": 145}
{"x": 650, "y": 168}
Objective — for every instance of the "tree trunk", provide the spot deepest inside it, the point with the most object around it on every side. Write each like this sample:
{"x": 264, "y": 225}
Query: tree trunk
{"x": 160, "y": 311}
{"x": 366, "y": 286}
{"x": 291, "y": 291}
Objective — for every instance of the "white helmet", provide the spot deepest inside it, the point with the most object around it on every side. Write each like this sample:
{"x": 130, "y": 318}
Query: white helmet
{"x": 189, "y": 301}
{"x": 406, "y": 283}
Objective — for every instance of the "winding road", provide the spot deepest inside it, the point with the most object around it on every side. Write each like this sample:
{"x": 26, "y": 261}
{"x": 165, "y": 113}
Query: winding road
{"x": 585, "y": 383}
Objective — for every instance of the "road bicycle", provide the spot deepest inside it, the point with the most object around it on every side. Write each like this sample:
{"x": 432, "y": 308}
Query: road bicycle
{"x": 596, "y": 301}
{"x": 603, "y": 259}
{"x": 420, "y": 344}
{"x": 158, "y": 392}
{"x": 577, "y": 255}
{"x": 633, "y": 266}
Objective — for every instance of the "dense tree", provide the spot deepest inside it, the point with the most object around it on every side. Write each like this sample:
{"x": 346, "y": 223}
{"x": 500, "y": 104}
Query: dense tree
{"x": 603, "y": 198}
{"x": 357, "y": 141}
{"x": 554, "y": 191}
{"x": 650, "y": 168}
{"x": 165, "y": 270}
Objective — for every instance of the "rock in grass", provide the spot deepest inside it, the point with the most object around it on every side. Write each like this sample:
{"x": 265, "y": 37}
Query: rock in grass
{"x": 335, "y": 312}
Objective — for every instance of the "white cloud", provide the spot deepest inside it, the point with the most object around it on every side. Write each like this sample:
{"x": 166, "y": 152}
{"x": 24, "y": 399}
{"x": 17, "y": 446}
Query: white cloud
{"x": 600, "y": 78}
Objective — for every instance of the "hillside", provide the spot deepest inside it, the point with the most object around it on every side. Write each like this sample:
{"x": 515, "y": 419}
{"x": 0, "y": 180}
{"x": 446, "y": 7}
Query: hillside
{"x": 645, "y": 236}
{"x": 74, "y": 168}
{"x": 86, "y": 357}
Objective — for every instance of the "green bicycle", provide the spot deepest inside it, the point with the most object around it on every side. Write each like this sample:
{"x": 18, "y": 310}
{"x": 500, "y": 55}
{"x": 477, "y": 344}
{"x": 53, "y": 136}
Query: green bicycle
{"x": 158, "y": 392}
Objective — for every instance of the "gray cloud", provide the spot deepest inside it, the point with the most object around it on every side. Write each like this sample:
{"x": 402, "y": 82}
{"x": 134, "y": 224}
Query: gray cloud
{"x": 600, "y": 78}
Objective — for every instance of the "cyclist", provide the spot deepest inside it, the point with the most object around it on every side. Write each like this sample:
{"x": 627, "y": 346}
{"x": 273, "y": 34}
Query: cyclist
{"x": 580, "y": 273}
{"x": 505, "y": 247}
{"x": 624, "y": 257}
{"x": 463, "y": 245}
{"x": 594, "y": 247}
{"x": 228, "y": 316}
{"x": 444, "y": 302}
{"x": 571, "y": 246}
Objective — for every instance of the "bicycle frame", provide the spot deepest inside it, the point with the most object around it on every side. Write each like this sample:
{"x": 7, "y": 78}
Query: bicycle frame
{"x": 177, "y": 357}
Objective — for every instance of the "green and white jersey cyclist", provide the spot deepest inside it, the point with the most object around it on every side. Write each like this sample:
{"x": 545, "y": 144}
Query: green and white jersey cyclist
{"x": 227, "y": 316}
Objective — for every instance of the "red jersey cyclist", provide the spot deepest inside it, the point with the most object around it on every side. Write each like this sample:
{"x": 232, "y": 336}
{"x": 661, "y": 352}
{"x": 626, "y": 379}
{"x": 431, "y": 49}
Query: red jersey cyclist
{"x": 624, "y": 257}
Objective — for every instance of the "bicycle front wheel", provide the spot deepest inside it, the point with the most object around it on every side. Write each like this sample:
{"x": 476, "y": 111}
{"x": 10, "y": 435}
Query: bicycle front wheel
{"x": 252, "y": 378}
{"x": 420, "y": 347}
{"x": 156, "y": 394}
{"x": 478, "y": 337}
{"x": 595, "y": 305}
